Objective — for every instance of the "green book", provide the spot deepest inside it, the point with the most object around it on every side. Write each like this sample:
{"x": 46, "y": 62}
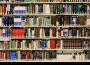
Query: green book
{"x": 34, "y": 20}
{"x": 13, "y": 44}
{"x": 28, "y": 0}
{"x": 19, "y": 55}
{"x": 46, "y": 21}
{"x": 0, "y": 44}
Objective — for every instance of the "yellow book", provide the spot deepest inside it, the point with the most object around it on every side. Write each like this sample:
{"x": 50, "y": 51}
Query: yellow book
{"x": 88, "y": 21}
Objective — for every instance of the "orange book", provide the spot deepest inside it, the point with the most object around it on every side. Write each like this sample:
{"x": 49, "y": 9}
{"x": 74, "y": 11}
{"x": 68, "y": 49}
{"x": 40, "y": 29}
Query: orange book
{"x": 3, "y": 9}
{"x": 30, "y": 45}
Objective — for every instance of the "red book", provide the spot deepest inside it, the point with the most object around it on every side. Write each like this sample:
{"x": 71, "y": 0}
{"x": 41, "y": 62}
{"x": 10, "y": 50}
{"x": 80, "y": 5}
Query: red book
{"x": 58, "y": 44}
{"x": 17, "y": 32}
{"x": 52, "y": 44}
{"x": 0, "y": 55}
{"x": 28, "y": 55}
{"x": 3, "y": 9}
{"x": 7, "y": 55}
{"x": 23, "y": 55}
{"x": 65, "y": 8}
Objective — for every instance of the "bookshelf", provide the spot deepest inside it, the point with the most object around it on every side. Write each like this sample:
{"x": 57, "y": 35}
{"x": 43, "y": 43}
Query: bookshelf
{"x": 35, "y": 30}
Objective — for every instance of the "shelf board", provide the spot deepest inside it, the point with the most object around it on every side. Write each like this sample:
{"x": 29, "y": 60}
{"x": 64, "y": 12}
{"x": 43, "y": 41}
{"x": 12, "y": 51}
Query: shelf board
{"x": 43, "y": 14}
{"x": 73, "y": 37}
{"x": 34, "y": 38}
{"x": 27, "y": 38}
{"x": 43, "y": 49}
{"x": 53, "y": 60}
{"x": 43, "y": 2}
{"x": 77, "y": 26}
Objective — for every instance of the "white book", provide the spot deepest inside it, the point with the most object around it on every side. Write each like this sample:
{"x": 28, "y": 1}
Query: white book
{"x": 77, "y": 33}
{"x": 24, "y": 44}
{"x": 46, "y": 8}
{"x": 62, "y": 33}
{"x": 88, "y": 20}
{"x": 17, "y": 20}
{"x": 29, "y": 32}
{"x": 33, "y": 31}
{"x": 48, "y": 44}
{"x": 8, "y": 7}
{"x": 1, "y": 21}
{"x": 36, "y": 9}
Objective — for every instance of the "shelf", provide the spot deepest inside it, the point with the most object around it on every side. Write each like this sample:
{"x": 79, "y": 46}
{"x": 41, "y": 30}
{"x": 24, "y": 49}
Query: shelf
{"x": 57, "y": 60}
{"x": 34, "y": 38}
{"x": 43, "y": 49}
{"x": 27, "y": 38}
{"x": 43, "y": 14}
{"x": 43, "y": 2}
{"x": 73, "y": 37}
{"x": 77, "y": 26}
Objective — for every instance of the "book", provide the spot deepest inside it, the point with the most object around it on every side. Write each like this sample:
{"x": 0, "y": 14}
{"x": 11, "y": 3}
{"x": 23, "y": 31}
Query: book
{"x": 52, "y": 43}
{"x": 13, "y": 55}
{"x": 88, "y": 21}
{"x": 40, "y": 8}
{"x": 46, "y": 8}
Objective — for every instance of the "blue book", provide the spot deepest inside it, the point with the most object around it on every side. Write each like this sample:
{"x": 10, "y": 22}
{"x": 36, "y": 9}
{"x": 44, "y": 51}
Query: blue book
{"x": 46, "y": 43}
{"x": 6, "y": 21}
{"x": 79, "y": 8}
{"x": 13, "y": 55}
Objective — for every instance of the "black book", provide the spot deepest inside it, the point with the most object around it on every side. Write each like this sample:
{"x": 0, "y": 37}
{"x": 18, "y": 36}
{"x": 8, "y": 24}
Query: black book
{"x": 53, "y": 20}
{"x": 60, "y": 19}
{"x": 40, "y": 8}
{"x": 47, "y": 31}
{"x": 83, "y": 9}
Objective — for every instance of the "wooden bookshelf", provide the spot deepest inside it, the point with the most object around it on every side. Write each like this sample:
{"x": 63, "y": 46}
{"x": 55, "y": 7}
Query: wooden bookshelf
{"x": 84, "y": 36}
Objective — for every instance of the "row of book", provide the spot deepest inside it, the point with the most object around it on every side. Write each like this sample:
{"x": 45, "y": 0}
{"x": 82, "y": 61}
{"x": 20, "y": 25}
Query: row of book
{"x": 72, "y": 32}
{"x": 35, "y": 44}
{"x": 57, "y": 8}
{"x": 45, "y": 9}
{"x": 75, "y": 32}
{"x": 27, "y": 55}
{"x": 5, "y": 33}
{"x": 45, "y": 44}
{"x": 72, "y": 44}
{"x": 50, "y": 44}
{"x": 44, "y": 0}
{"x": 4, "y": 45}
{"x": 72, "y": 55}
{"x": 44, "y": 21}
{"x": 76, "y": 44}
{"x": 44, "y": 32}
